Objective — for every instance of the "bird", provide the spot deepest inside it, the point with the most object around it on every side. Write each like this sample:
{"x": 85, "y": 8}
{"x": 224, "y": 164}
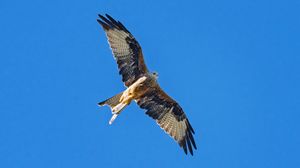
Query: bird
{"x": 142, "y": 86}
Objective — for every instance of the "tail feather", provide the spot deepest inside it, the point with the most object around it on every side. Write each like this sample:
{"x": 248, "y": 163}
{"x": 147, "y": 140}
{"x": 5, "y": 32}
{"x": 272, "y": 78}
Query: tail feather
{"x": 115, "y": 105}
{"x": 102, "y": 103}
{"x": 112, "y": 102}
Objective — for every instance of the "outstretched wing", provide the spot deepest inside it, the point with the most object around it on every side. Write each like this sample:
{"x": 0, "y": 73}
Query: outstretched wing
{"x": 169, "y": 116}
{"x": 125, "y": 48}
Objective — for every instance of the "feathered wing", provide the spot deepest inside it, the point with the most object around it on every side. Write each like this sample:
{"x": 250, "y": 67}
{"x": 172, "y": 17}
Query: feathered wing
{"x": 169, "y": 116}
{"x": 126, "y": 50}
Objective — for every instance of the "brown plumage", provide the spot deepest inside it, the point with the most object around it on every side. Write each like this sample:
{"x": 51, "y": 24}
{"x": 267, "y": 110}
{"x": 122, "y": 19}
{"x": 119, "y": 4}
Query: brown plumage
{"x": 142, "y": 86}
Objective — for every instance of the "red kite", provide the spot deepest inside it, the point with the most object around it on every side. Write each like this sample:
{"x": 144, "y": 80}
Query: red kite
{"x": 142, "y": 86}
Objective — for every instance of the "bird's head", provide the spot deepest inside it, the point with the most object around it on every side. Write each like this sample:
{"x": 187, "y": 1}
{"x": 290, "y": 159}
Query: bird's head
{"x": 155, "y": 74}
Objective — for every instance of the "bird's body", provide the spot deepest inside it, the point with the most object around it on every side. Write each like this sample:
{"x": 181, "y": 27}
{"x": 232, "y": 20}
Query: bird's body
{"x": 133, "y": 92}
{"x": 142, "y": 86}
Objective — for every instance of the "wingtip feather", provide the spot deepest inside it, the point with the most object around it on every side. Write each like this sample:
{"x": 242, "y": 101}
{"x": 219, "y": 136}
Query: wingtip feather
{"x": 189, "y": 145}
{"x": 108, "y": 16}
{"x": 104, "y": 25}
{"x": 183, "y": 144}
{"x": 190, "y": 126}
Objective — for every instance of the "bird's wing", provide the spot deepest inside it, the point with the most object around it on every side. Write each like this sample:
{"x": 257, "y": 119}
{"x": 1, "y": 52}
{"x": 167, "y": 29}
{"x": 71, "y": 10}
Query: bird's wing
{"x": 169, "y": 116}
{"x": 126, "y": 50}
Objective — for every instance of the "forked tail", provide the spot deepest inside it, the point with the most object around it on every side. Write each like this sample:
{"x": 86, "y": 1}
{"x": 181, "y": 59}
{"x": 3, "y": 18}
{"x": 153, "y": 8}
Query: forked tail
{"x": 111, "y": 102}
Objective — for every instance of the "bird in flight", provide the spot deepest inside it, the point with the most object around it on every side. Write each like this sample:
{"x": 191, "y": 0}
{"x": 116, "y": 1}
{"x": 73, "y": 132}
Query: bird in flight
{"x": 142, "y": 87}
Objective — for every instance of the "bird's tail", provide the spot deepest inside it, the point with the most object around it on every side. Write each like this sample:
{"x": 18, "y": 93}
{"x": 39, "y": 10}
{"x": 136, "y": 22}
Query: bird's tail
{"x": 111, "y": 102}
{"x": 115, "y": 105}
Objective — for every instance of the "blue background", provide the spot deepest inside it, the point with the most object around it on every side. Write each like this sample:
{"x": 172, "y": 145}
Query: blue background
{"x": 232, "y": 65}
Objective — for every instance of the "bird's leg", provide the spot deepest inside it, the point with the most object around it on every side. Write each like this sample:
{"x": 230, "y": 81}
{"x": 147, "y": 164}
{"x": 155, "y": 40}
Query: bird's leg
{"x": 128, "y": 94}
{"x": 125, "y": 99}
{"x": 118, "y": 108}
{"x": 113, "y": 118}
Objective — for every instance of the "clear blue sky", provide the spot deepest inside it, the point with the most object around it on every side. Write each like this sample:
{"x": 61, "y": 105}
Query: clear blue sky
{"x": 232, "y": 65}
